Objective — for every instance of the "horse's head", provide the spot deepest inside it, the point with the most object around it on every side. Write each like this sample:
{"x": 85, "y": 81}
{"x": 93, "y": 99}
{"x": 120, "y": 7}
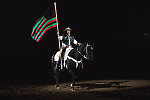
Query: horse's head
{"x": 87, "y": 50}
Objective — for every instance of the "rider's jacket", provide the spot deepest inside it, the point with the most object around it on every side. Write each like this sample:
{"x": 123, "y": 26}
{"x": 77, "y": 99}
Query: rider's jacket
{"x": 68, "y": 41}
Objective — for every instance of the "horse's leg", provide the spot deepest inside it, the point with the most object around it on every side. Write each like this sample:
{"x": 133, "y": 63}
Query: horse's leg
{"x": 56, "y": 74}
{"x": 73, "y": 79}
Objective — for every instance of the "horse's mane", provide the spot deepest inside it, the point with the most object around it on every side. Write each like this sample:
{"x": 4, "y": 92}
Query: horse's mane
{"x": 82, "y": 46}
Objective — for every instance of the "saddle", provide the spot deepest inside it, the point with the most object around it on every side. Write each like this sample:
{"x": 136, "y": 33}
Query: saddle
{"x": 57, "y": 56}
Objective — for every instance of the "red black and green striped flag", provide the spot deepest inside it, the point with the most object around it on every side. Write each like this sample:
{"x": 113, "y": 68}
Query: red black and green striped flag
{"x": 44, "y": 23}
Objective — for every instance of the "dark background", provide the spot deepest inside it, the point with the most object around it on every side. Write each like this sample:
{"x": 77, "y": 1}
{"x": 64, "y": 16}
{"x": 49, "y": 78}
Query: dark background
{"x": 120, "y": 32}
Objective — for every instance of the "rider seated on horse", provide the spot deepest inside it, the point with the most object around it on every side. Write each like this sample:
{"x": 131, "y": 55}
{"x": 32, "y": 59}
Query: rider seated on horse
{"x": 67, "y": 41}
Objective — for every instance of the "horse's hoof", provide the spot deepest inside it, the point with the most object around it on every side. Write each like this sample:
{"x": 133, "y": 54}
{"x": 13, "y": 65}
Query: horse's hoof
{"x": 72, "y": 85}
{"x": 58, "y": 88}
{"x": 72, "y": 89}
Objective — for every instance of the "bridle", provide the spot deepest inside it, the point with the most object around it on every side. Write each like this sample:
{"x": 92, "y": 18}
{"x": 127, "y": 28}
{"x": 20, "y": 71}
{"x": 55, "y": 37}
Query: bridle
{"x": 84, "y": 56}
{"x": 85, "y": 49}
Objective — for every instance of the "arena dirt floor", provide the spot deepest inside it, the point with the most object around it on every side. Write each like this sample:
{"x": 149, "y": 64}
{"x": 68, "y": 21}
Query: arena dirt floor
{"x": 84, "y": 90}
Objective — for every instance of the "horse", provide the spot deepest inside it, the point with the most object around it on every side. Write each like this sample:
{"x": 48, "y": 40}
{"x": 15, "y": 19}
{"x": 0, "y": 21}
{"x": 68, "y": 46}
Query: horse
{"x": 73, "y": 61}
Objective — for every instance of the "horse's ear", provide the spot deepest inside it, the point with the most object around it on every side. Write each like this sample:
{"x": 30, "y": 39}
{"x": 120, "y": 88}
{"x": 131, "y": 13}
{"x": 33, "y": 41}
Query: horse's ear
{"x": 91, "y": 43}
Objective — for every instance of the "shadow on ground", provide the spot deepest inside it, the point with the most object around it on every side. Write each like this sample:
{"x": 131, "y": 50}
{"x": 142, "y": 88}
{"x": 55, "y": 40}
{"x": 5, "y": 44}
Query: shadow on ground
{"x": 95, "y": 85}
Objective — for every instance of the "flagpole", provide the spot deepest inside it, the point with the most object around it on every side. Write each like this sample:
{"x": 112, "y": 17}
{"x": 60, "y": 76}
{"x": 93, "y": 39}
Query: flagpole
{"x": 56, "y": 19}
{"x": 58, "y": 33}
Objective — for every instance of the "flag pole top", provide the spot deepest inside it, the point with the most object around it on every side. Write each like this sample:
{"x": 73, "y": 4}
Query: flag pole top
{"x": 56, "y": 17}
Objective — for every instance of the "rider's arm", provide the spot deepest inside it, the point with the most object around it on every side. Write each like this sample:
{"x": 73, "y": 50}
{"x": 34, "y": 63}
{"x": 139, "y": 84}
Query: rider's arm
{"x": 76, "y": 42}
{"x": 60, "y": 37}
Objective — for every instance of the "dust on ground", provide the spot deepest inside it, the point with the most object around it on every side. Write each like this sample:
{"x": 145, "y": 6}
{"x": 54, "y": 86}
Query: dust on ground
{"x": 84, "y": 90}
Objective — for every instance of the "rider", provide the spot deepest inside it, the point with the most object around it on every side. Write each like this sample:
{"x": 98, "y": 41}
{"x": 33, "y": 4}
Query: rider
{"x": 67, "y": 41}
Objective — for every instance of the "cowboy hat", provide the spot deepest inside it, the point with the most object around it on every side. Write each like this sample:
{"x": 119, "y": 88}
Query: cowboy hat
{"x": 68, "y": 28}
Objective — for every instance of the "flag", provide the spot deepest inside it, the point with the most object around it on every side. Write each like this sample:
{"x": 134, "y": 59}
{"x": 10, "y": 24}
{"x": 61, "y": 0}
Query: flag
{"x": 46, "y": 22}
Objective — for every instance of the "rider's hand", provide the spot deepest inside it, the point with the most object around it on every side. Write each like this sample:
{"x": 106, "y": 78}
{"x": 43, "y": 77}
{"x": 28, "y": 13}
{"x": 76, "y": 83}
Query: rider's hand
{"x": 57, "y": 33}
{"x": 79, "y": 44}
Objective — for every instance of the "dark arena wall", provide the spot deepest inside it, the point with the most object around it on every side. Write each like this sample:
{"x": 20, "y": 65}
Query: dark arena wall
{"x": 119, "y": 31}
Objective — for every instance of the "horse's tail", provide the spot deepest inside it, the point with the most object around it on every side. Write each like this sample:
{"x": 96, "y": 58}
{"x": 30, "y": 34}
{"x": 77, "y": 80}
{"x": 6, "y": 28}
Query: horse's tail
{"x": 52, "y": 64}
{"x": 52, "y": 59}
